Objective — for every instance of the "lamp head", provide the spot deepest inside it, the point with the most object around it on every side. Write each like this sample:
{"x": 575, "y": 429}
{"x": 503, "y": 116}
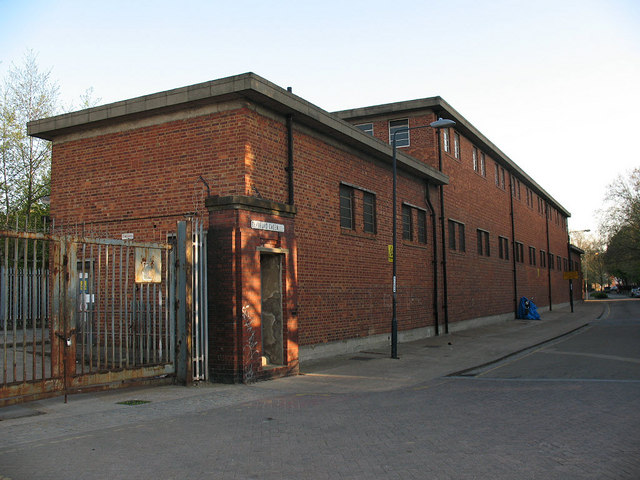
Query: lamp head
{"x": 442, "y": 123}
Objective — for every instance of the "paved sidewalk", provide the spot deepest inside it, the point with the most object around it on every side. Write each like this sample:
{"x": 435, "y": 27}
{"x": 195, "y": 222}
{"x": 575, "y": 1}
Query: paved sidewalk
{"x": 370, "y": 371}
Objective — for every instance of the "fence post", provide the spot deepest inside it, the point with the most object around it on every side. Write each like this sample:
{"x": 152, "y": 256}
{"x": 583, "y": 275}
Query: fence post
{"x": 64, "y": 337}
{"x": 184, "y": 294}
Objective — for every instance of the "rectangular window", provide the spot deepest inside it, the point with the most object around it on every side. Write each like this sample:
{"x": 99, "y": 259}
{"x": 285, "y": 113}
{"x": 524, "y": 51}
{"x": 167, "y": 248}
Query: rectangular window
{"x": 407, "y": 223}
{"x": 502, "y": 184}
{"x": 559, "y": 263}
{"x": 497, "y": 175}
{"x": 402, "y": 137}
{"x": 483, "y": 243}
{"x": 543, "y": 259}
{"x": 445, "y": 139}
{"x": 346, "y": 207}
{"x": 475, "y": 159}
{"x": 456, "y": 145}
{"x": 422, "y": 226}
{"x": 519, "y": 252}
{"x": 551, "y": 262}
{"x": 369, "y": 212}
{"x": 503, "y": 248}
{"x": 366, "y": 128}
{"x": 483, "y": 165}
{"x": 532, "y": 256}
{"x": 457, "y": 236}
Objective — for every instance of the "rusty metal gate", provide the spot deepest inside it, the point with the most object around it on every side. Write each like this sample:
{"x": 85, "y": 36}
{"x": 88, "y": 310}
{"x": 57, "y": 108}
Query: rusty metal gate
{"x": 81, "y": 312}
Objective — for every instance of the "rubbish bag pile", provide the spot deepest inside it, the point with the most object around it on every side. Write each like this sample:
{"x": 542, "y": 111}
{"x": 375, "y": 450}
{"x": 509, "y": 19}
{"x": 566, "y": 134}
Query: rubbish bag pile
{"x": 527, "y": 310}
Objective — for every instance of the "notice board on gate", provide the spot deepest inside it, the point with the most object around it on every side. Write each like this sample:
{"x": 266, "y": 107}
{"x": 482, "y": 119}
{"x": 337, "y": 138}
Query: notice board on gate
{"x": 148, "y": 265}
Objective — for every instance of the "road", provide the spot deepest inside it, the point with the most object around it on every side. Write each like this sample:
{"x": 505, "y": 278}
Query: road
{"x": 566, "y": 409}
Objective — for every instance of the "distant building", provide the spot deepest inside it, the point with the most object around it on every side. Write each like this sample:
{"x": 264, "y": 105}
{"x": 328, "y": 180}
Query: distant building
{"x": 297, "y": 202}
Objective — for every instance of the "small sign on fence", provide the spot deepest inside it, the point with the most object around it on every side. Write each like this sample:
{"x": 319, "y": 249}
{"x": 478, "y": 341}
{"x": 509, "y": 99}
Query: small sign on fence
{"x": 148, "y": 265}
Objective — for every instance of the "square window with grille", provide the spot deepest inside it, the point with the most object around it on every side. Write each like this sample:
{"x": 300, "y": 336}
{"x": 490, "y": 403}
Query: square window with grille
{"x": 457, "y": 241}
{"x": 519, "y": 252}
{"x": 366, "y": 128}
{"x": 407, "y": 223}
{"x": 483, "y": 243}
{"x": 402, "y": 137}
{"x": 422, "y": 226}
{"x": 503, "y": 248}
{"x": 369, "y": 212}
{"x": 346, "y": 207}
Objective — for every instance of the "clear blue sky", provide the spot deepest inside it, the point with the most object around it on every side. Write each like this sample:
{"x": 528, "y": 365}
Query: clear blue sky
{"x": 555, "y": 84}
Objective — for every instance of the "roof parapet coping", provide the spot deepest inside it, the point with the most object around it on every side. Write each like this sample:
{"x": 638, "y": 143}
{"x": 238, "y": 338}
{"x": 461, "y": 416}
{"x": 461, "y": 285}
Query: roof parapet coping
{"x": 244, "y": 86}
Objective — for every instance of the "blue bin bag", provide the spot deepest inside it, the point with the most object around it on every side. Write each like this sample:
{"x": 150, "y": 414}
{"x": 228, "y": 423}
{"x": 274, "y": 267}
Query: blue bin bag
{"x": 527, "y": 310}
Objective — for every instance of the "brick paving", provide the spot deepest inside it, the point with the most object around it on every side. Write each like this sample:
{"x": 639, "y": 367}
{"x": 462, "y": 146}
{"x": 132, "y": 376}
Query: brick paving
{"x": 361, "y": 416}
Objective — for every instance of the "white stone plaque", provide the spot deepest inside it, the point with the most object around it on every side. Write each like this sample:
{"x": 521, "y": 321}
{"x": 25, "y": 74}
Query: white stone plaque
{"x": 272, "y": 227}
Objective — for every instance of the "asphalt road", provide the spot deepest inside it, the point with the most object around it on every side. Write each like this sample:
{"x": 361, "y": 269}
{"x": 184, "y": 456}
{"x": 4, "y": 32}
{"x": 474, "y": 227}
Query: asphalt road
{"x": 567, "y": 409}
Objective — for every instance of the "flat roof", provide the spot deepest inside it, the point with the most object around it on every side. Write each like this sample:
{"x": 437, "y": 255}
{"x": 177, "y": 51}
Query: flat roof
{"x": 248, "y": 86}
{"x": 442, "y": 109}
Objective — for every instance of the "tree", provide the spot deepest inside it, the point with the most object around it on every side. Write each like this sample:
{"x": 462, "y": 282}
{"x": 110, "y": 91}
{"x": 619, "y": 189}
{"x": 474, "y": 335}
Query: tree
{"x": 27, "y": 94}
{"x": 593, "y": 266}
{"x": 622, "y": 258}
{"x": 620, "y": 226}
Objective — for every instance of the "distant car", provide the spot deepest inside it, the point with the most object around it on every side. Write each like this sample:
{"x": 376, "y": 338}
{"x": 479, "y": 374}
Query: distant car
{"x": 635, "y": 292}
{"x": 614, "y": 289}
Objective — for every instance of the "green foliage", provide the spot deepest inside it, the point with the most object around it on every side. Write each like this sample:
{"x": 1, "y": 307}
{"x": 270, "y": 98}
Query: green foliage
{"x": 621, "y": 228}
{"x": 599, "y": 295}
{"x": 25, "y": 162}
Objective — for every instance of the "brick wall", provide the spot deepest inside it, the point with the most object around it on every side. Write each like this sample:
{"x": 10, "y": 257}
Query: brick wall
{"x": 479, "y": 284}
{"x": 142, "y": 180}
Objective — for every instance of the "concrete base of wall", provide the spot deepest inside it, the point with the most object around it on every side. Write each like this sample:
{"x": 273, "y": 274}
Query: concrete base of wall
{"x": 353, "y": 345}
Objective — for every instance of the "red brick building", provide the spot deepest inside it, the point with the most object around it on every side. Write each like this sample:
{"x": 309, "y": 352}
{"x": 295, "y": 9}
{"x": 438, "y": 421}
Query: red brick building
{"x": 298, "y": 206}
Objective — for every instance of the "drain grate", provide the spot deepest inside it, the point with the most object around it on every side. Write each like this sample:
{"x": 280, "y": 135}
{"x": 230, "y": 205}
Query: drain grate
{"x": 134, "y": 402}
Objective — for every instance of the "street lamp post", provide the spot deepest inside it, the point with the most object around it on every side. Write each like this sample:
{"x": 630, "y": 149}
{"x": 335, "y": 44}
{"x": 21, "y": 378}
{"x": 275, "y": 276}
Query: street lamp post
{"x": 437, "y": 125}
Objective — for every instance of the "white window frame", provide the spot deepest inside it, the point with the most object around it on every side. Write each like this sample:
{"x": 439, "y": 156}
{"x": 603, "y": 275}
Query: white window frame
{"x": 368, "y": 130}
{"x": 456, "y": 145}
{"x": 397, "y": 127}
{"x": 445, "y": 140}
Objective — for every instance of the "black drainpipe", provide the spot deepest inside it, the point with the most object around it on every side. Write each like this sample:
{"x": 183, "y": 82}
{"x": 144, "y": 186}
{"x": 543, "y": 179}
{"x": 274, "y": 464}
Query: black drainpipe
{"x": 549, "y": 256}
{"x": 434, "y": 229}
{"x": 513, "y": 240}
{"x": 445, "y": 302}
{"x": 289, "y": 167}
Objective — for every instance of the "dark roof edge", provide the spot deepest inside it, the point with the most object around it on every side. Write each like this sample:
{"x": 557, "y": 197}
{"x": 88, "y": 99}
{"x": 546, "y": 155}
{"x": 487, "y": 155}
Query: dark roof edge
{"x": 444, "y": 110}
{"x": 244, "y": 86}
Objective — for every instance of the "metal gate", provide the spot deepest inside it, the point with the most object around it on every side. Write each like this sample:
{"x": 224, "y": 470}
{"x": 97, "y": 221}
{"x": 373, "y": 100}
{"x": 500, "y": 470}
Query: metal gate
{"x": 82, "y": 312}
{"x": 199, "y": 320}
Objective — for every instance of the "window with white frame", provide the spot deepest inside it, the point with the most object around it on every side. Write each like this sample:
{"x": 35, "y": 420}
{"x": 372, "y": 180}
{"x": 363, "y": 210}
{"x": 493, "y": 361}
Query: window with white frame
{"x": 456, "y": 145}
{"x": 366, "y": 128}
{"x": 445, "y": 139}
{"x": 475, "y": 159}
{"x": 402, "y": 137}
